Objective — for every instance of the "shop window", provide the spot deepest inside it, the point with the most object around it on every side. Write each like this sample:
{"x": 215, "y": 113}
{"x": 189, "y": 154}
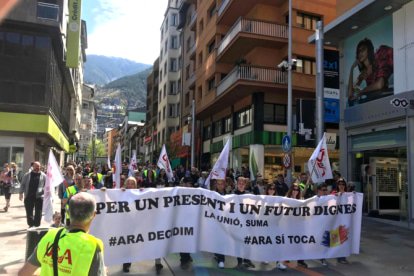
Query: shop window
{"x": 207, "y": 133}
{"x": 218, "y": 128}
{"x": 227, "y": 124}
{"x": 243, "y": 118}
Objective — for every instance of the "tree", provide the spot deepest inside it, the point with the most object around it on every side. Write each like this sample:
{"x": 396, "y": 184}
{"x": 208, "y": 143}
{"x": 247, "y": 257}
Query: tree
{"x": 95, "y": 148}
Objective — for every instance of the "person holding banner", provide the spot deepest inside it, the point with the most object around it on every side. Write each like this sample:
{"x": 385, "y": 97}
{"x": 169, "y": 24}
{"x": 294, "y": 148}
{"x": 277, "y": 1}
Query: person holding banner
{"x": 295, "y": 192}
{"x": 221, "y": 189}
{"x": 185, "y": 258}
{"x": 70, "y": 251}
{"x": 68, "y": 180}
{"x": 272, "y": 191}
{"x": 241, "y": 190}
{"x": 342, "y": 188}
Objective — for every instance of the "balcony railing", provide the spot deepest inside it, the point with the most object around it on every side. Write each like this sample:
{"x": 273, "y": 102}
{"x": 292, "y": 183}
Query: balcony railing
{"x": 251, "y": 73}
{"x": 253, "y": 27}
{"x": 223, "y": 6}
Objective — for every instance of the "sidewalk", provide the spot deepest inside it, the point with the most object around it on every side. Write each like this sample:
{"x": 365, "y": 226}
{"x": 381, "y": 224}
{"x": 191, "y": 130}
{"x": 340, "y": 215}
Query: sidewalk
{"x": 385, "y": 250}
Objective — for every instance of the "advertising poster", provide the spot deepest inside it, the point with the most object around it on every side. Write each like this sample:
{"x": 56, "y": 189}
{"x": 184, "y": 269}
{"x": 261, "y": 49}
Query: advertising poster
{"x": 369, "y": 64}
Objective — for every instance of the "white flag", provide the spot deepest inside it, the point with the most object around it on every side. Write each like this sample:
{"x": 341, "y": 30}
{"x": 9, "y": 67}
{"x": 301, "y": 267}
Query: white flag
{"x": 318, "y": 164}
{"x": 53, "y": 178}
{"x": 219, "y": 169}
{"x": 108, "y": 162}
{"x": 164, "y": 163}
{"x": 116, "y": 174}
{"x": 133, "y": 163}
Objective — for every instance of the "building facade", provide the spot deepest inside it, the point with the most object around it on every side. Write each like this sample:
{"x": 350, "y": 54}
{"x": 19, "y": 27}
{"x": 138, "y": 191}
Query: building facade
{"x": 88, "y": 122}
{"x": 169, "y": 77}
{"x": 230, "y": 57}
{"x": 377, "y": 103}
{"x": 150, "y": 137}
{"x": 40, "y": 96}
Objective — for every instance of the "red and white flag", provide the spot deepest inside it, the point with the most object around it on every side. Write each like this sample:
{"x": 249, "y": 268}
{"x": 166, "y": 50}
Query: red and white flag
{"x": 53, "y": 178}
{"x": 318, "y": 164}
{"x": 219, "y": 169}
{"x": 116, "y": 174}
{"x": 164, "y": 163}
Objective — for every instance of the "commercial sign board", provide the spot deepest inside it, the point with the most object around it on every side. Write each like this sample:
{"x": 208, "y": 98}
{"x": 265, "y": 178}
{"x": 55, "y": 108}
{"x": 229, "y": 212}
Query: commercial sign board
{"x": 331, "y": 86}
{"x": 73, "y": 34}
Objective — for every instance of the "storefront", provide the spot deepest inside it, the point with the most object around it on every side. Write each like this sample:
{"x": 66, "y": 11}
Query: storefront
{"x": 377, "y": 106}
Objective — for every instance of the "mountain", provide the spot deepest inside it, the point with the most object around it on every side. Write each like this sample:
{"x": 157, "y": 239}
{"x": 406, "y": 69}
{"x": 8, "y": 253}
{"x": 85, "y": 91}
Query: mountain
{"x": 101, "y": 70}
{"x": 128, "y": 92}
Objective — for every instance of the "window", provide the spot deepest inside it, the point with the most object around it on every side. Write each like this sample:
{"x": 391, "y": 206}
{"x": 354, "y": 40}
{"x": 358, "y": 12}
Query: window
{"x": 178, "y": 113}
{"x": 180, "y": 63}
{"x": 85, "y": 105}
{"x": 173, "y": 65}
{"x": 200, "y": 59}
{"x": 227, "y": 124}
{"x": 211, "y": 46}
{"x": 160, "y": 96}
{"x": 163, "y": 113}
{"x": 275, "y": 114}
{"x": 187, "y": 72}
{"x": 207, "y": 133}
{"x": 188, "y": 44}
{"x": 199, "y": 93}
{"x": 165, "y": 68}
{"x": 218, "y": 128}
{"x": 163, "y": 135}
{"x": 174, "y": 42}
{"x": 171, "y": 110}
{"x": 165, "y": 90}
{"x": 307, "y": 21}
{"x": 212, "y": 10}
{"x": 211, "y": 83}
{"x": 173, "y": 88}
{"x": 166, "y": 45}
{"x": 159, "y": 118}
{"x": 306, "y": 65}
{"x": 201, "y": 25}
{"x": 174, "y": 19}
{"x": 243, "y": 118}
{"x": 187, "y": 99}
{"x": 48, "y": 11}
{"x": 179, "y": 86}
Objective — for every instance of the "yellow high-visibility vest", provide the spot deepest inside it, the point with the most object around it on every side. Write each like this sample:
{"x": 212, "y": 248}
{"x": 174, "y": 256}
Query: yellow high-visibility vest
{"x": 75, "y": 255}
{"x": 70, "y": 191}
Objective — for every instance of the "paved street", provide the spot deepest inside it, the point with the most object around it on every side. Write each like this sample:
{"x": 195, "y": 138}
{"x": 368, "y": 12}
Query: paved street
{"x": 385, "y": 250}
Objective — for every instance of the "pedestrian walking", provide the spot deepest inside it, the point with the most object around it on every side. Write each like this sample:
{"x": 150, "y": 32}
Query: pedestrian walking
{"x": 31, "y": 190}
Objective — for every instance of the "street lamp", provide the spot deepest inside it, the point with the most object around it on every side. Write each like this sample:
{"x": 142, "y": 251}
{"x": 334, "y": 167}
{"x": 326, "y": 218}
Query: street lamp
{"x": 192, "y": 140}
{"x": 289, "y": 103}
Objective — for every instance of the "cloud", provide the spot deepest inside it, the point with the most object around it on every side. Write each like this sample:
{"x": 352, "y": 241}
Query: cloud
{"x": 126, "y": 28}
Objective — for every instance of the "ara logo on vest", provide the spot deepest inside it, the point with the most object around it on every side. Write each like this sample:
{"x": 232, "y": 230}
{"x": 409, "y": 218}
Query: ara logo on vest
{"x": 66, "y": 256}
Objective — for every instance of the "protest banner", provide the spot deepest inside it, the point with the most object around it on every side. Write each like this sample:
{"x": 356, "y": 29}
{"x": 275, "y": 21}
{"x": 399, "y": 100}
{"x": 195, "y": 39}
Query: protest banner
{"x": 140, "y": 225}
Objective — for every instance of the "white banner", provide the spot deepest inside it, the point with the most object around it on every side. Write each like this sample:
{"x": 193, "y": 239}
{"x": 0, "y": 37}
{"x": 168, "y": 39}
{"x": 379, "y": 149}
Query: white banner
{"x": 53, "y": 178}
{"x": 142, "y": 225}
{"x": 133, "y": 164}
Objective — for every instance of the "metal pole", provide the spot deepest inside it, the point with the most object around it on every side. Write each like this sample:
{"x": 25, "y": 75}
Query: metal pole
{"x": 320, "y": 108}
{"x": 289, "y": 103}
{"x": 192, "y": 133}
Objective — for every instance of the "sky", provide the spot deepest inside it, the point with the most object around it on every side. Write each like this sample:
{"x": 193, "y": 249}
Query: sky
{"x": 124, "y": 28}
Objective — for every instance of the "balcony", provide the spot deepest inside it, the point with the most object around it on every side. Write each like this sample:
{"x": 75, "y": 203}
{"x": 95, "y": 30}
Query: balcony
{"x": 247, "y": 34}
{"x": 230, "y": 10}
{"x": 252, "y": 76}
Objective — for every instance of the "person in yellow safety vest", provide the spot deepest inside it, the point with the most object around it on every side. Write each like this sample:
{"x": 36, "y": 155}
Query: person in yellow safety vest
{"x": 150, "y": 176}
{"x": 70, "y": 251}
{"x": 97, "y": 178}
{"x": 70, "y": 192}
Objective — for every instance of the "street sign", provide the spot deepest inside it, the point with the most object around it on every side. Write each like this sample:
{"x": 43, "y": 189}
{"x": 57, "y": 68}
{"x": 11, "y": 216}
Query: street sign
{"x": 286, "y": 143}
{"x": 287, "y": 161}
